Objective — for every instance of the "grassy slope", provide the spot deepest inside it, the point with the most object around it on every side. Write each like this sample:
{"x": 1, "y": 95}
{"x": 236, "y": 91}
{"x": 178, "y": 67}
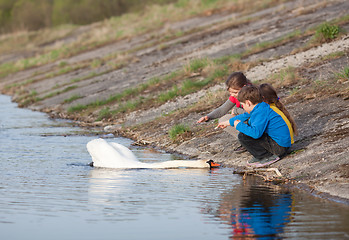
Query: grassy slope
{"x": 195, "y": 75}
{"x": 47, "y": 58}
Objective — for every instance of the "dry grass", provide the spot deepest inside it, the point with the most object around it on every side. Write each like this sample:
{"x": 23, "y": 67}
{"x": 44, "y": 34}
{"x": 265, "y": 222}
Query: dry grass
{"x": 34, "y": 40}
{"x": 286, "y": 78}
{"x": 210, "y": 101}
{"x": 154, "y": 19}
{"x": 159, "y": 18}
{"x": 304, "y": 89}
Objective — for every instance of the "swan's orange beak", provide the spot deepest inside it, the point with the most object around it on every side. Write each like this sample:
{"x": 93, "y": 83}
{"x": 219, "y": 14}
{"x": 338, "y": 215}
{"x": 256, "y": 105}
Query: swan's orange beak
{"x": 213, "y": 164}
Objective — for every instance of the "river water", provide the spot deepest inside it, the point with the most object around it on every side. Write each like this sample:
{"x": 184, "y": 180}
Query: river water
{"x": 48, "y": 191}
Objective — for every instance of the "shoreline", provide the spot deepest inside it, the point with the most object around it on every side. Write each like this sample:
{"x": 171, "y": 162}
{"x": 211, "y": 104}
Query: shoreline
{"x": 284, "y": 181}
{"x": 143, "y": 86}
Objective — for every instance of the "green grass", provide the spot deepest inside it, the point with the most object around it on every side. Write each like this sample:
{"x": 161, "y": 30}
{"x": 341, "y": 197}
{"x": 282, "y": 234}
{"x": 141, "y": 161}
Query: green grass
{"x": 178, "y": 130}
{"x": 333, "y": 56}
{"x": 343, "y": 75}
{"x": 322, "y": 87}
{"x": 127, "y": 93}
{"x": 213, "y": 69}
{"x": 55, "y": 93}
{"x": 261, "y": 46}
{"x": 45, "y": 58}
{"x": 7, "y": 68}
{"x": 129, "y": 105}
{"x": 115, "y": 98}
{"x": 210, "y": 69}
{"x": 286, "y": 77}
{"x": 62, "y": 64}
{"x": 25, "y": 100}
{"x": 104, "y": 114}
{"x": 72, "y": 98}
{"x": 326, "y": 32}
{"x": 183, "y": 88}
{"x": 96, "y": 63}
{"x": 172, "y": 75}
{"x": 220, "y": 72}
{"x": 188, "y": 86}
{"x": 227, "y": 59}
{"x": 172, "y": 93}
{"x": 61, "y": 71}
{"x": 116, "y": 28}
{"x": 196, "y": 65}
{"x": 77, "y": 108}
{"x": 88, "y": 76}
{"x": 294, "y": 90}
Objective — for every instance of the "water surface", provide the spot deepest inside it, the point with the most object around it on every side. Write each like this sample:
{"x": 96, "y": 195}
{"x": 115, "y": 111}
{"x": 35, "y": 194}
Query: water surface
{"x": 48, "y": 191}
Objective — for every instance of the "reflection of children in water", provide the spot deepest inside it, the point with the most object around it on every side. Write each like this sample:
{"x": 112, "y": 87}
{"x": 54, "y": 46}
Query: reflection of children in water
{"x": 255, "y": 211}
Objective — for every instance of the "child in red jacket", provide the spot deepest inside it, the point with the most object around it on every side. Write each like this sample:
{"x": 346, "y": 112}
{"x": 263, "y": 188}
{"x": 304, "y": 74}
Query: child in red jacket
{"x": 234, "y": 83}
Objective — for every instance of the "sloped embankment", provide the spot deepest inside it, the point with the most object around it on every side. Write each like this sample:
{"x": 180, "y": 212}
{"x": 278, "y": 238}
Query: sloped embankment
{"x": 320, "y": 158}
{"x": 269, "y": 45}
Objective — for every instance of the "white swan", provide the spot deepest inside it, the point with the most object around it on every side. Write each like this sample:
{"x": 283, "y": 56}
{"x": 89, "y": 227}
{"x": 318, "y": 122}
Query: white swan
{"x": 114, "y": 155}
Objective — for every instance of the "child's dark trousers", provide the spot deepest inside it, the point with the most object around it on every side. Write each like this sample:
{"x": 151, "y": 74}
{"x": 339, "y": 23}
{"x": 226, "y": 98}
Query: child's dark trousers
{"x": 262, "y": 147}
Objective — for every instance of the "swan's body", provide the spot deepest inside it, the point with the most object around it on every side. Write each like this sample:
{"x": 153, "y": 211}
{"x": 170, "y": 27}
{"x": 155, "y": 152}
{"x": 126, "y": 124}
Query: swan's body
{"x": 114, "y": 155}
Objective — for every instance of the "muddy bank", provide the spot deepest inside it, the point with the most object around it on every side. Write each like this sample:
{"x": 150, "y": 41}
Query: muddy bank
{"x": 316, "y": 97}
{"x": 319, "y": 156}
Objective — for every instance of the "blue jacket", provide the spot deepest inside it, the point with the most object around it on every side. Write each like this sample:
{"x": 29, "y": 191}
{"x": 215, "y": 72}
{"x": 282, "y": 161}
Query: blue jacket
{"x": 263, "y": 119}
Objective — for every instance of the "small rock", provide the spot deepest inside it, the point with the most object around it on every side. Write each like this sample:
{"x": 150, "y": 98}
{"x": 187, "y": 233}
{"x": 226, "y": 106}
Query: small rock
{"x": 112, "y": 128}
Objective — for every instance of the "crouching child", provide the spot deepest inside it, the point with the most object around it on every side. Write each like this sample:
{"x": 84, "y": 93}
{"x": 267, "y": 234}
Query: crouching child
{"x": 265, "y": 135}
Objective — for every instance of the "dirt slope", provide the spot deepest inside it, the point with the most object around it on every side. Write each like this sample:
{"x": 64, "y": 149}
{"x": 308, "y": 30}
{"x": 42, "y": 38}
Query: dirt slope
{"x": 320, "y": 159}
{"x": 217, "y": 38}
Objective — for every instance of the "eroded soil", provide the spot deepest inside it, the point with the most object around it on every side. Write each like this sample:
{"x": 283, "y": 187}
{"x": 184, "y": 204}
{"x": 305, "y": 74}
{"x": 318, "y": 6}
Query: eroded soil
{"x": 317, "y": 99}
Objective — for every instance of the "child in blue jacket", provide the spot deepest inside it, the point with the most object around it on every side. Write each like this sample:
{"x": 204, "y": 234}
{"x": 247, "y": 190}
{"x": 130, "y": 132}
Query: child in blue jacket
{"x": 266, "y": 135}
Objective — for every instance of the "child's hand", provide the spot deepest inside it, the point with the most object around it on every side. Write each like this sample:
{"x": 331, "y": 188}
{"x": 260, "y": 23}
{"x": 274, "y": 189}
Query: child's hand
{"x": 236, "y": 122}
{"x": 223, "y": 124}
{"x": 203, "y": 119}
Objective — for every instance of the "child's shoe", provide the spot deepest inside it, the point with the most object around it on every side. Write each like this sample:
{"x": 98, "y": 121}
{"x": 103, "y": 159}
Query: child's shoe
{"x": 267, "y": 161}
{"x": 240, "y": 149}
{"x": 253, "y": 162}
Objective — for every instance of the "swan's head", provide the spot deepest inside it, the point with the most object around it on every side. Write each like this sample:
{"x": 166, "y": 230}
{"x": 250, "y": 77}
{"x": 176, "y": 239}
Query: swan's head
{"x": 213, "y": 164}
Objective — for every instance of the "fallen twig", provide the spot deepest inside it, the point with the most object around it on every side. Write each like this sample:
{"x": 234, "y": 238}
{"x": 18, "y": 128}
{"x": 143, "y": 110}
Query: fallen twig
{"x": 261, "y": 170}
{"x": 256, "y": 170}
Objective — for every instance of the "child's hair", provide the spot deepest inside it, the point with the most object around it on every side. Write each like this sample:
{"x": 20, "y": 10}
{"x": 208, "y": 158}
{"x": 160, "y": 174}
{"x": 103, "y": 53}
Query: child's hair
{"x": 251, "y": 93}
{"x": 237, "y": 80}
{"x": 270, "y": 96}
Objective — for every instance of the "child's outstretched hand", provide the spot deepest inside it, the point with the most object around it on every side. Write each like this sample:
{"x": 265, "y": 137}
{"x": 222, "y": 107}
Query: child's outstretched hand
{"x": 223, "y": 124}
{"x": 203, "y": 119}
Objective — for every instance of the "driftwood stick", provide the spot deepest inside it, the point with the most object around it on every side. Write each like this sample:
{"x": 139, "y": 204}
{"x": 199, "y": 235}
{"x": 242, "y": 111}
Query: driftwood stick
{"x": 277, "y": 172}
{"x": 265, "y": 178}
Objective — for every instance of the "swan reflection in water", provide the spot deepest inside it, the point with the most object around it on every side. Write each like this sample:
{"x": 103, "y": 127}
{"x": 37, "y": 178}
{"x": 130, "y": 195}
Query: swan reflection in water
{"x": 254, "y": 210}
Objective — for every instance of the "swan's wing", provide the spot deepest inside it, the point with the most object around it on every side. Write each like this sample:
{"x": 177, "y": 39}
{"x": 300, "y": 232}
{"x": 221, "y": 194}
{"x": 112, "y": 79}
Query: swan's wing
{"x": 102, "y": 153}
{"x": 107, "y": 155}
{"x": 124, "y": 151}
